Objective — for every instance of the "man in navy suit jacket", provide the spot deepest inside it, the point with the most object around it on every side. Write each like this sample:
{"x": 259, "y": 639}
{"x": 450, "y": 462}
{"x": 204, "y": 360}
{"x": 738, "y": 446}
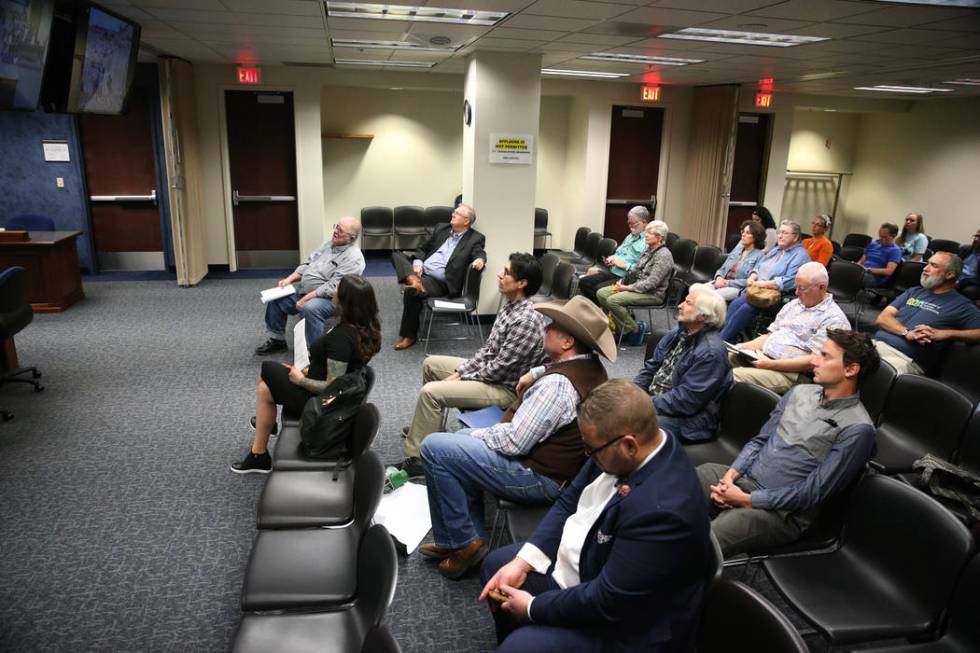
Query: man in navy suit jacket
{"x": 620, "y": 561}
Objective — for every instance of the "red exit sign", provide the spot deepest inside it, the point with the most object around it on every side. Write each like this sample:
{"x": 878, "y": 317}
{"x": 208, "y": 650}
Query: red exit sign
{"x": 763, "y": 100}
{"x": 249, "y": 75}
{"x": 650, "y": 94}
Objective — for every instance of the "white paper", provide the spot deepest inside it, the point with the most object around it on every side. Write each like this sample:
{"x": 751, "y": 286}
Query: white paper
{"x": 512, "y": 148}
{"x": 405, "y": 513}
{"x": 301, "y": 355}
{"x": 742, "y": 352}
{"x": 55, "y": 150}
{"x": 276, "y": 292}
{"x": 449, "y": 306}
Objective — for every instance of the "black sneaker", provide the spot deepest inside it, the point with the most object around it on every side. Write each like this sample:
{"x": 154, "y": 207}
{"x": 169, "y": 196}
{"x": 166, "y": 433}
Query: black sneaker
{"x": 275, "y": 426}
{"x": 405, "y": 430}
{"x": 254, "y": 463}
{"x": 271, "y": 346}
{"x": 413, "y": 466}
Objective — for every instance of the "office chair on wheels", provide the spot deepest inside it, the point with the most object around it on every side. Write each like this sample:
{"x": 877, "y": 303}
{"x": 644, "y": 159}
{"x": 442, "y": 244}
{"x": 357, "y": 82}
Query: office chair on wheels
{"x": 15, "y": 314}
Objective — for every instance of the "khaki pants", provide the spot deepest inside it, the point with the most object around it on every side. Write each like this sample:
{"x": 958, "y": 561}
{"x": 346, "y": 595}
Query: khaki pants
{"x": 778, "y": 382}
{"x": 438, "y": 395}
{"x": 616, "y": 303}
{"x": 902, "y": 363}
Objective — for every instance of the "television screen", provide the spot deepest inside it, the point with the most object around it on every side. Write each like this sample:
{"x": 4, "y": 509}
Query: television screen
{"x": 25, "y": 29}
{"x": 105, "y": 60}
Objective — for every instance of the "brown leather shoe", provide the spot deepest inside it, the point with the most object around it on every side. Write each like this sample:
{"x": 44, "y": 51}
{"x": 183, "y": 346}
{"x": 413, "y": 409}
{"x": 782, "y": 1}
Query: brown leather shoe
{"x": 434, "y": 552}
{"x": 413, "y": 281}
{"x": 462, "y": 560}
{"x": 404, "y": 343}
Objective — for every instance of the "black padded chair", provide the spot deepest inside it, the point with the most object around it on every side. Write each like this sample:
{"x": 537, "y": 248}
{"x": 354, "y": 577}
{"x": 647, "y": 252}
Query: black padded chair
{"x": 465, "y": 307}
{"x": 607, "y": 247}
{"x": 541, "y": 228}
{"x": 837, "y": 247}
{"x": 707, "y": 260}
{"x": 561, "y": 287}
{"x": 857, "y": 240}
{"x": 549, "y": 264}
{"x": 435, "y": 216}
{"x": 288, "y": 419}
{"x": 736, "y": 613}
{"x": 960, "y": 369}
{"x": 683, "y": 251}
{"x": 744, "y": 409}
{"x": 921, "y": 416}
{"x": 942, "y": 245}
{"x": 846, "y": 281}
{"x": 517, "y": 519}
{"x": 377, "y": 225}
{"x": 290, "y": 457}
{"x": 312, "y": 499}
{"x": 656, "y": 335}
{"x": 591, "y": 250}
{"x": 312, "y": 567}
{"x": 851, "y": 253}
{"x": 968, "y": 452}
{"x": 874, "y": 390}
{"x": 676, "y": 291}
{"x": 354, "y": 625}
{"x": 30, "y": 222}
{"x": 578, "y": 246}
{"x": 671, "y": 239}
{"x": 410, "y": 227}
{"x": 732, "y": 241}
{"x": 893, "y": 574}
{"x": 15, "y": 315}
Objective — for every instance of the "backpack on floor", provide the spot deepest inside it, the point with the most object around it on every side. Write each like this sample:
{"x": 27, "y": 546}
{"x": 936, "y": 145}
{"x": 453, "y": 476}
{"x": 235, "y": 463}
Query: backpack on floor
{"x": 328, "y": 418}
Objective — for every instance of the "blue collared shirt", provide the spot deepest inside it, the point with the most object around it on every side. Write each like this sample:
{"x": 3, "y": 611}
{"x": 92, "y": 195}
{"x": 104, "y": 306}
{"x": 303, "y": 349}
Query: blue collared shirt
{"x": 435, "y": 265}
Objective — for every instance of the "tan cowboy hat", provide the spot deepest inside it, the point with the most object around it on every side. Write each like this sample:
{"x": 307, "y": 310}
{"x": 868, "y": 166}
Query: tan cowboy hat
{"x": 584, "y": 320}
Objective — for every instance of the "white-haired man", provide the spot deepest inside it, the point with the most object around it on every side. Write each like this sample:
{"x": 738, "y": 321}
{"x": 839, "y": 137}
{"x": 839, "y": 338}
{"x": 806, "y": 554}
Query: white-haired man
{"x": 783, "y": 357}
{"x": 622, "y": 260}
{"x": 688, "y": 373}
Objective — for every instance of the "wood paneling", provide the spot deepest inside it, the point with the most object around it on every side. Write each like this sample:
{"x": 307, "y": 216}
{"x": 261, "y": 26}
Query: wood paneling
{"x": 634, "y": 162}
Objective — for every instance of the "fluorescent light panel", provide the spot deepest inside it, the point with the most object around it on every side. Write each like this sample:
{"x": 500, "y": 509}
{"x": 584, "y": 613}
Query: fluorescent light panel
{"x": 743, "y": 38}
{"x": 890, "y": 88}
{"x": 964, "y": 82}
{"x": 582, "y": 73}
{"x": 415, "y": 14}
{"x": 640, "y": 58}
{"x": 382, "y": 62}
{"x": 387, "y": 45}
{"x": 939, "y": 3}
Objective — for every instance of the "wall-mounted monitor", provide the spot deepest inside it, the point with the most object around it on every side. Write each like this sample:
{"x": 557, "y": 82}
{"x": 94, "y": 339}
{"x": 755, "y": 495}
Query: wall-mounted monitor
{"x": 106, "y": 46}
{"x": 25, "y": 30}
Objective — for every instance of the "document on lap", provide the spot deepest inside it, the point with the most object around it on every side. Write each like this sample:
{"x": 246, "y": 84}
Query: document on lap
{"x": 450, "y": 306}
{"x": 754, "y": 355}
{"x": 271, "y": 294}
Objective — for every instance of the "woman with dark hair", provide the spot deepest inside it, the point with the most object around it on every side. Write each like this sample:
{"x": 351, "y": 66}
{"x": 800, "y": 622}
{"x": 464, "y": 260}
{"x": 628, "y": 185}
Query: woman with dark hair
{"x": 762, "y": 215}
{"x": 913, "y": 240}
{"x": 346, "y": 347}
{"x": 730, "y": 279}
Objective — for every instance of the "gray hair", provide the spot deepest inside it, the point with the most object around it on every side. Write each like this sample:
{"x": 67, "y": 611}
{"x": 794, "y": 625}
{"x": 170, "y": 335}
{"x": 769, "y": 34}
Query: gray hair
{"x": 824, "y": 218}
{"x": 468, "y": 212}
{"x": 954, "y": 264}
{"x": 354, "y": 226}
{"x": 659, "y": 228}
{"x": 640, "y": 213}
{"x": 795, "y": 226}
{"x": 709, "y": 304}
{"x": 814, "y": 272}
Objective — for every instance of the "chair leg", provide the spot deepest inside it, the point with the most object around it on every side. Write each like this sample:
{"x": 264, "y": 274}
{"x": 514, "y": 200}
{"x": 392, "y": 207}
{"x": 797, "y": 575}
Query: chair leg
{"x": 428, "y": 331}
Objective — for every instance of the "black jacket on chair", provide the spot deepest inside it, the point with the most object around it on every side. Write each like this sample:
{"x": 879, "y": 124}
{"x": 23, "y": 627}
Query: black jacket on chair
{"x": 468, "y": 250}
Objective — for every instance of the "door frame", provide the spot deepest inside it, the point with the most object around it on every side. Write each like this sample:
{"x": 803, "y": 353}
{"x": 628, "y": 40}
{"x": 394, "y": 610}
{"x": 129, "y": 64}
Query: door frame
{"x": 226, "y": 163}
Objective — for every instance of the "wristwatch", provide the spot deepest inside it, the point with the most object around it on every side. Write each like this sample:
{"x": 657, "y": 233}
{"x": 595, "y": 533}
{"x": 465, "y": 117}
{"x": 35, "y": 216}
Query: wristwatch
{"x": 905, "y": 332}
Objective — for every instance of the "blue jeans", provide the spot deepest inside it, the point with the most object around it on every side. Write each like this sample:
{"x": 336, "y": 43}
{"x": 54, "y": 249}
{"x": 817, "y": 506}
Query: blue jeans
{"x": 458, "y": 469}
{"x": 316, "y": 312}
{"x": 740, "y": 315}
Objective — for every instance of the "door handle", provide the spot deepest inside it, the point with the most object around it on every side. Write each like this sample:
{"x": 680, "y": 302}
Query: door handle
{"x": 237, "y": 199}
{"x": 743, "y": 204}
{"x": 152, "y": 197}
{"x": 621, "y": 202}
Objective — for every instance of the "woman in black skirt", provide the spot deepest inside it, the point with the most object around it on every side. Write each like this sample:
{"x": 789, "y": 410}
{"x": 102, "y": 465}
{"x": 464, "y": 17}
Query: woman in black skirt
{"x": 347, "y": 347}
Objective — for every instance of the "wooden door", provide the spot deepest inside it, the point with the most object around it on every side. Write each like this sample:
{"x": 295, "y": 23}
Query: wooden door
{"x": 120, "y": 171}
{"x": 262, "y": 158}
{"x": 748, "y": 173}
{"x": 634, "y": 165}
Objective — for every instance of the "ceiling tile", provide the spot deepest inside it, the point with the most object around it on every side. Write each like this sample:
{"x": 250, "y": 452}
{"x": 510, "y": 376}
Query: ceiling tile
{"x": 909, "y": 36}
{"x": 193, "y": 16}
{"x": 672, "y": 17}
{"x": 721, "y": 6}
{"x": 526, "y": 34}
{"x": 488, "y": 42}
{"x": 756, "y": 24}
{"x": 813, "y": 11}
{"x": 963, "y": 24}
{"x": 206, "y": 5}
{"x": 596, "y": 39}
{"x": 564, "y": 46}
{"x": 576, "y": 9}
{"x": 486, "y": 5}
{"x": 284, "y": 7}
{"x": 837, "y": 30}
{"x": 905, "y": 16}
{"x": 545, "y": 22}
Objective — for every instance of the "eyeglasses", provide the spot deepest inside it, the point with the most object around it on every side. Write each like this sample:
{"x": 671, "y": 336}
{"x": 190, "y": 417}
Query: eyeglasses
{"x": 338, "y": 228}
{"x": 589, "y": 452}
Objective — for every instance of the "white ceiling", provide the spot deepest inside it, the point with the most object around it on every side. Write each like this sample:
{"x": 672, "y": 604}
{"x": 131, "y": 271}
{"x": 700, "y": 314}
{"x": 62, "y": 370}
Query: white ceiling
{"x": 872, "y": 42}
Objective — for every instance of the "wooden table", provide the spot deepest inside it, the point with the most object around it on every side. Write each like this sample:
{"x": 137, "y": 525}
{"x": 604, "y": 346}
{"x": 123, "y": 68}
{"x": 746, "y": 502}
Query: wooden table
{"x": 53, "y": 273}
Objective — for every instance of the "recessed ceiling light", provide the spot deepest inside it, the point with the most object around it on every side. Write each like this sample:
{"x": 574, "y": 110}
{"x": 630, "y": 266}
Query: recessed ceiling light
{"x": 582, "y": 73}
{"x": 964, "y": 82}
{"x": 387, "y": 45}
{"x": 382, "y": 62}
{"x": 890, "y": 88}
{"x": 941, "y": 3}
{"x": 640, "y": 58}
{"x": 744, "y": 38}
{"x": 416, "y": 14}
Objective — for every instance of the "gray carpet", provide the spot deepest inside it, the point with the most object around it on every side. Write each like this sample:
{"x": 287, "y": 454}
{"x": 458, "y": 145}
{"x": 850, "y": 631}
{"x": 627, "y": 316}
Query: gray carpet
{"x": 122, "y": 528}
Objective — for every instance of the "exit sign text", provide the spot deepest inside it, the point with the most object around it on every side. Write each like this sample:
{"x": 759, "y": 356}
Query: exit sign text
{"x": 249, "y": 75}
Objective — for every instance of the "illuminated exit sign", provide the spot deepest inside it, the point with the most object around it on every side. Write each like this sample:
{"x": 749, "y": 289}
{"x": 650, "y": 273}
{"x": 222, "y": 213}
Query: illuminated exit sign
{"x": 650, "y": 94}
{"x": 249, "y": 75}
{"x": 763, "y": 100}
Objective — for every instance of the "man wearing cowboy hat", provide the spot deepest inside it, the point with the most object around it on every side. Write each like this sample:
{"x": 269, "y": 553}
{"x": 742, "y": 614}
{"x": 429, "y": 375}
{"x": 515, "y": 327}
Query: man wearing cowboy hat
{"x": 531, "y": 453}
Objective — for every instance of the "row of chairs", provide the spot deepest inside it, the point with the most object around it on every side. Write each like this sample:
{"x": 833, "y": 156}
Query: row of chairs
{"x": 320, "y": 576}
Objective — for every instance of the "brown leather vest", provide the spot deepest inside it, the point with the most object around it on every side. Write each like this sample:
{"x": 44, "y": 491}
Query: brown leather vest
{"x": 561, "y": 455}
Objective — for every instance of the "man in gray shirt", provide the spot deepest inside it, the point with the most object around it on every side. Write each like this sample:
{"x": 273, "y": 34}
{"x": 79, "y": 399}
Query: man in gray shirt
{"x": 817, "y": 440}
{"x": 315, "y": 282}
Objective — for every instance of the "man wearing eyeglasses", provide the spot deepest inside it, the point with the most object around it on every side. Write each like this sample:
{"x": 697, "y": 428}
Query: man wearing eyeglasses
{"x": 620, "y": 561}
{"x": 315, "y": 282}
{"x": 439, "y": 268}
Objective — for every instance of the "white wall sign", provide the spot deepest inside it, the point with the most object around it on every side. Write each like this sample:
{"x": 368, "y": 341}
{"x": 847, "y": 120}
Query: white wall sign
{"x": 512, "y": 148}
{"x": 55, "y": 150}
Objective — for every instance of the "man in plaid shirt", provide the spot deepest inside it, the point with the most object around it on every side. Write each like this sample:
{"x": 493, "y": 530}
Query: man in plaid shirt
{"x": 490, "y": 377}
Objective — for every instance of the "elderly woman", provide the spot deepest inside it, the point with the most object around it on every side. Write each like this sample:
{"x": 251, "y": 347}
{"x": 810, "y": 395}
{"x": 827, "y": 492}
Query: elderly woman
{"x": 777, "y": 269}
{"x": 819, "y": 246}
{"x": 689, "y": 372}
{"x": 622, "y": 260}
{"x": 913, "y": 240}
{"x": 645, "y": 284}
{"x": 731, "y": 277}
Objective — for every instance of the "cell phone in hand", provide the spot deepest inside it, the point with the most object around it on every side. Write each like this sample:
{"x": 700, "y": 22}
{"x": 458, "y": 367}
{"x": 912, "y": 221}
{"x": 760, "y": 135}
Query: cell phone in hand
{"x": 498, "y": 596}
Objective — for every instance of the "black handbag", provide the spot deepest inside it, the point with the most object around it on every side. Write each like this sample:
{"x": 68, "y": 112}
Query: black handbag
{"x": 328, "y": 418}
